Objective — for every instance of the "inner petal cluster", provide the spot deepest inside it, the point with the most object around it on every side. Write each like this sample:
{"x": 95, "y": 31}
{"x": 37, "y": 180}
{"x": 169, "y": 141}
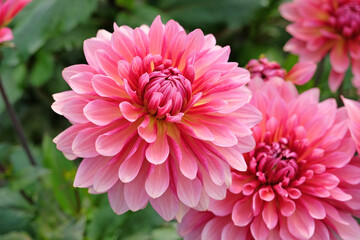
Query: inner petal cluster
{"x": 274, "y": 162}
{"x": 346, "y": 19}
{"x": 167, "y": 92}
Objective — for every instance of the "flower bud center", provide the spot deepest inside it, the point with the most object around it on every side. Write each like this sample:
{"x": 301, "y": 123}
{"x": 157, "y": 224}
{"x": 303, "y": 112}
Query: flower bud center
{"x": 274, "y": 163}
{"x": 167, "y": 91}
{"x": 265, "y": 69}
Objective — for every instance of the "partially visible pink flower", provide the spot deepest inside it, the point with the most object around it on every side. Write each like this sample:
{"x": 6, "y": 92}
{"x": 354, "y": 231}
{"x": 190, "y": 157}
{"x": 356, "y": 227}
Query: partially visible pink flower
{"x": 325, "y": 26}
{"x": 302, "y": 180}
{"x": 158, "y": 115}
{"x": 264, "y": 69}
{"x": 8, "y": 10}
{"x": 353, "y": 110}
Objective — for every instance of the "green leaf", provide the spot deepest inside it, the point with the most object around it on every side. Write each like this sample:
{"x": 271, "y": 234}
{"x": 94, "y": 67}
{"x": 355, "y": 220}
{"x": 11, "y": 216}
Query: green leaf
{"x": 61, "y": 176}
{"x": 43, "y": 68}
{"x": 16, "y": 236}
{"x": 208, "y": 13}
{"x": 47, "y": 18}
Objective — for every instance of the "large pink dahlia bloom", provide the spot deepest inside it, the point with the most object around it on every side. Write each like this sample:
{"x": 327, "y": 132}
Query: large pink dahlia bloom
{"x": 158, "y": 115}
{"x": 326, "y": 26}
{"x": 8, "y": 10}
{"x": 302, "y": 181}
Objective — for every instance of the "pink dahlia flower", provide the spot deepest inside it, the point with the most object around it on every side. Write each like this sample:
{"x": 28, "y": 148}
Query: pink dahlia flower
{"x": 353, "y": 110}
{"x": 8, "y": 10}
{"x": 264, "y": 69}
{"x": 302, "y": 181}
{"x": 158, "y": 115}
{"x": 325, "y": 26}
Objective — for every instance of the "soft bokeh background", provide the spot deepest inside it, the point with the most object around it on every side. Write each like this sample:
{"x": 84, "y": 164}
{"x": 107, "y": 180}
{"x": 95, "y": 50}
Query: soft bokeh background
{"x": 39, "y": 202}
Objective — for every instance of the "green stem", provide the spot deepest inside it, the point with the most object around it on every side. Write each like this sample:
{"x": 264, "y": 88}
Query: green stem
{"x": 17, "y": 125}
{"x": 319, "y": 73}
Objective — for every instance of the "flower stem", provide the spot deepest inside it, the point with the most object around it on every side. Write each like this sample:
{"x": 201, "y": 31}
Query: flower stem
{"x": 319, "y": 72}
{"x": 17, "y": 125}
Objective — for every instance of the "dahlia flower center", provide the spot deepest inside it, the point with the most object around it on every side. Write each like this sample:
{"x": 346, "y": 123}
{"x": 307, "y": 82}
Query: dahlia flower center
{"x": 346, "y": 19}
{"x": 274, "y": 163}
{"x": 167, "y": 91}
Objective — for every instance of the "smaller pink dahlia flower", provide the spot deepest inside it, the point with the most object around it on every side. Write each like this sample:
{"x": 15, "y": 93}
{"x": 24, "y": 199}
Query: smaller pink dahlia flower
{"x": 158, "y": 115}
{"x": 264, "y": 69}
{"x": 302, "y": 180}
{"x": 8, "y": 10}
{"x": 325, "y": 26}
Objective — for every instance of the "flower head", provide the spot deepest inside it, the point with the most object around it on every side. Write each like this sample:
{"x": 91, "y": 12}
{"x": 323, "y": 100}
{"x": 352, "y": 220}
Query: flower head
{"x": 325, "y": 26}
{"x": 8, "y": 10}
{"x": 302, "y": 180}
{"x": 158, "y": 115}
{"x": 264, "y": 69}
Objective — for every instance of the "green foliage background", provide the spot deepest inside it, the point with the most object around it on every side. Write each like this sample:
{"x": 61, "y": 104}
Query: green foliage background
{"x": 39, "y": 202}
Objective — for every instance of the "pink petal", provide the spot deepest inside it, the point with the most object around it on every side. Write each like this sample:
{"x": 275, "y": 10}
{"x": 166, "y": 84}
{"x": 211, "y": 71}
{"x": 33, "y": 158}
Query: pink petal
{"x": 214, "y": 191}
{"x": 87, "y": 170}
{"x": 289, "y": 11}
{"x": 123, "y": 44}
{"x": 301, "y": 73}
{"x": 129, "y": 111}
{"x": 321, "y": 232}
{"x": 108, "y": 65}
{"x": 269, "y": 215}
{"x": 242, "y": 214}
{"x": 167, "y": 205}
{"x": 188, "y": 191}
{"x": 188, "y": 164}
{"x": 84, "y": 143}
{"x": 111, "y": 143}
{"x": 106, "y": 176}
{"x": 156, "y": 36}
{"x": 117, "y": 198}
{"x": 339, "y": 57}
{"x": 101, "y": 112}
{"x": 158, "y": 151}
{"x": 259, "y": 229}
{"x": 301, "y": 224}
{"x": 314, "y": 207}
{"x": 335, "y": 80}
{"x": 134, "y": 191}
{"x": 157, "y": 180}
{"x": 213, "y": 229}
{"x": 148, "y": 129}
{"x": 73, "y": 110}
{"x": 130, "y": 168}
{"x": 107, "y": 87}
{"x": 6, "y": 34}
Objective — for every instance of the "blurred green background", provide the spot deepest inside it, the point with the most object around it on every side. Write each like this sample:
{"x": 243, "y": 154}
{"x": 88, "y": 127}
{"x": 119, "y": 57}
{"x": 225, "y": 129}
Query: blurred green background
{"x": 39, "y": 202}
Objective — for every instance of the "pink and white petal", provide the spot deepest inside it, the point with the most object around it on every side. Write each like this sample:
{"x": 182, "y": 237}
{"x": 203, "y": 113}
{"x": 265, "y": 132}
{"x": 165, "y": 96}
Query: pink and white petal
{"x": 73, "y": 110}
{"x": 81, "y": 82}
{"x": 301, "y": 73}
{"x": 84, "y": 142}
{"x": 158, "y": 151}
{"x": 349, "y": 230}
{"x": 335, "y": 80}
{"x": 289, "y": 11}
{"x": 314, "y": 207}
{"x": 258, "y": 229}
{"x": 148, "y": 129}
{"x": 246, "y": 144}
{"x": 130, "y": 168}
{"x": 167, "y": 205}
{"x": 232, "y": 232}
{"x": 123, "y": 44}
{"x": 300, "y": 224}
{"x": 339, "y": 57}
{"x": 134, "y": 191}
{"x": 111, "y": 143}
{"x": 214, "y": 191}
{"x": 156, "y": 36}
{"x": 213, "y": 229}
{"x": 188, "y": 164}
{"x": 108, "y": 65}
{"x": 130, "y": 112}
{"x": 242, "y": 214}
{"x": 107, "y": 175}
{"x": 269, "y": 215}
{"x": 117, "y": 198}
{"x": 107, "y": 87}
{"x": 188, "y": 191}
{"x": 157, "y": 180}
{"x": 87, "y": 170}
{"x": 102, "y": 112}
{"x": 321, "y": 232}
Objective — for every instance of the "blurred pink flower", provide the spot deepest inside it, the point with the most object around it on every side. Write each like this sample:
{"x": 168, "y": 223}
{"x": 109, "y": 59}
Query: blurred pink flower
{"x": 302, "y": 181}
{"x": 300, "y": 74}
{"x": 325, "y": 26}
{"x": 158, "y": 115}
{"x": 353, "y": 110}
